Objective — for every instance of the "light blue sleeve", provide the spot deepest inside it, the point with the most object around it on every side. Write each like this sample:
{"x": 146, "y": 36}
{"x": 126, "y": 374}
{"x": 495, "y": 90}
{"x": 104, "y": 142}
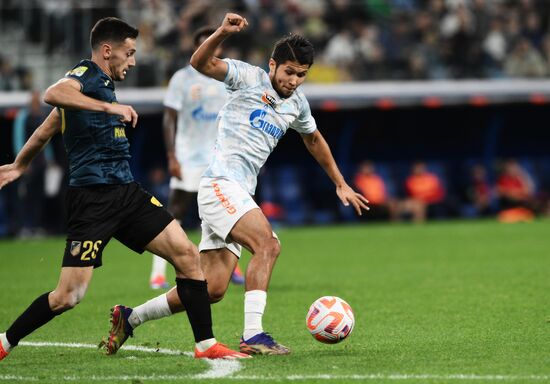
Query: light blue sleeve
{"x": 241, "y": 75}
{"x": 304, "y": 123}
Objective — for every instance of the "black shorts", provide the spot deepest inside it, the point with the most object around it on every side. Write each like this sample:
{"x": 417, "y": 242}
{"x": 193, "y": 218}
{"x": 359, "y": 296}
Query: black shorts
{"x": 97, "y": 213}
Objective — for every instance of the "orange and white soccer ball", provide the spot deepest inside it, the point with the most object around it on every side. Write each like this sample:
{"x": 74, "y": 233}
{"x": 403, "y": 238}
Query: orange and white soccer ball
{"x": 330, "y": 319}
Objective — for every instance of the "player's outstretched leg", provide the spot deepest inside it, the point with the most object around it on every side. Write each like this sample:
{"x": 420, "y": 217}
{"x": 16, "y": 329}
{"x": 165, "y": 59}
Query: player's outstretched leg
{"x": 254, "y": 232}
{"x": 120, "y": 329}
{"x": 125, "y": 319}
{"x": 262, "y": 344}
{"x": 4, "y": 346}
{"x": 191, "y": 289}
{"x": 194, "y": 297}
{"x": 219, "y": 351}
{"x": 35, "y": 316}
{"x": 70, "y": 289}
{"x": 254, "y": 340}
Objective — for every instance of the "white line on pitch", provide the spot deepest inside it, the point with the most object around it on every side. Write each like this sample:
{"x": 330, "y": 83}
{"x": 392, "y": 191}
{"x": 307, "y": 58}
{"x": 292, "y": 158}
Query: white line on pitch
{"x": 162, "y": 351}
{"x": 374, "y": 377}
{"x": 218, "y": 368}
{"x": 225, "y": 368}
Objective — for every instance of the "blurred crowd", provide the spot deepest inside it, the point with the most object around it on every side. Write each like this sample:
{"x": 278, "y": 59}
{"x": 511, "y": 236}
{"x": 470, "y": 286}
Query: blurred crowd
{"x": 355, "y": 39}
{"x": 513, "y": 194}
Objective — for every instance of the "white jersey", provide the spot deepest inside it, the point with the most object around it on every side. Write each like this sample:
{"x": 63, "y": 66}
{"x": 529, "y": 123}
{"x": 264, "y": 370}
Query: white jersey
{"x": 198, "y": 99}
{"x": 252, "y": 122}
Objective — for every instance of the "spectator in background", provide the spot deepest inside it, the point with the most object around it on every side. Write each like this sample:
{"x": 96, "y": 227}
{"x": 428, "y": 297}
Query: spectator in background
{"x": 8, "y": 76}
{"x": 525, "y": 61}
{"x": 398, "y": 44}
{"x": 546, "y": 52}
{"x": 157, "y": 183}
{"x": 425, "y": 193}
{"x": 479, "y": 193}
{"x": 30, "y": 188}
{"x": 359, "y": 39}
{"x": 462, "y": 48}
{"x": 149, "y": 66}
{"x": 313, "y": 24}
{"x": 495, "y": 46}
{"x": 14, "y": 78}
{"x": 516, "y": 193}
{"x": 373, "y": 187}
{"x": 340, "y": 51}
{"x": 56, "y": 14}
{"x": 159, "y": 14}
{"x": 369, "y": 51}
{"x": 532, "y": 30}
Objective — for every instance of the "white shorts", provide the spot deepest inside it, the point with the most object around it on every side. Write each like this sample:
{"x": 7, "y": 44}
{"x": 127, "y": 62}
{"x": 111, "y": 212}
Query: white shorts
{"x": 190, "y": 182}
{"x": 221, "y": 203}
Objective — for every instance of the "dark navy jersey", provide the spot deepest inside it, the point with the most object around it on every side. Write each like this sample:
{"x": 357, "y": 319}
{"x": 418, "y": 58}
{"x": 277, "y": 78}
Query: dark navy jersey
{"x": 96, "y": 142}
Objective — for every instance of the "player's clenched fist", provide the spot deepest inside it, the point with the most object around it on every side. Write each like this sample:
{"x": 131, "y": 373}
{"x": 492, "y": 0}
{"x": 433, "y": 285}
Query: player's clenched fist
{"x": 233, "y": 23}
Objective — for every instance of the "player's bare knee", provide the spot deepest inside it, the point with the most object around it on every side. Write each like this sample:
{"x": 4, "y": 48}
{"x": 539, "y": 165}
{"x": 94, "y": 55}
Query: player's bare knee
{"x": 216, "y": 293}
{"x": 272, "y": 248}
{"x": 276, "y": 246}
{"x": 216, "y": 297}
{"x": 61, "y": 302}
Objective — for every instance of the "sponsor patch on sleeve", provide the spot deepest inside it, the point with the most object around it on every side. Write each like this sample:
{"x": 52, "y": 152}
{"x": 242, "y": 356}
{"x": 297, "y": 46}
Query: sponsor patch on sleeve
{"x": 78, "y": 71}
{"x": 154, "y": 201}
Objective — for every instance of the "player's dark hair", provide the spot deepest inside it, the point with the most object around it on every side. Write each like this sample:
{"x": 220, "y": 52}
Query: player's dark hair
{"x": 111, "y": 29}
{"x": 294, "y": 48}
{"x": 201, "y": 33}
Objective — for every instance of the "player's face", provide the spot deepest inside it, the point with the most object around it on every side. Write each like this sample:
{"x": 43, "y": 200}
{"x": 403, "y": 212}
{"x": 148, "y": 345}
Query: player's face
{"x": 122, "y": 58}
{"x": 287, "y": 76}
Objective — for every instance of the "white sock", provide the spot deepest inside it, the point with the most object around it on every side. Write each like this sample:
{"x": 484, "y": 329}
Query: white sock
{"x": 159, "y": 267}
{"x": 153, "y": 309}
{"x": 254, "y": 305}
{"x": 205, "y": 344}
{"x": 5, "y": 343}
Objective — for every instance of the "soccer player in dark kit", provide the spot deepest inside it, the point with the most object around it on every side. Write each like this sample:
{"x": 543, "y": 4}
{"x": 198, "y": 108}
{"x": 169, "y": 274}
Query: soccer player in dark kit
{"x": 103, "y": 201}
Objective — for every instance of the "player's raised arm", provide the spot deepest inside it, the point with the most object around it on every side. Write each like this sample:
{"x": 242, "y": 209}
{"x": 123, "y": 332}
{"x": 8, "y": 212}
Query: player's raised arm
{"x": 319, "y": 149}
{"x": 66, "y": 93}
{"x": 203, "y": 60}
{"x": 33, "y": 146}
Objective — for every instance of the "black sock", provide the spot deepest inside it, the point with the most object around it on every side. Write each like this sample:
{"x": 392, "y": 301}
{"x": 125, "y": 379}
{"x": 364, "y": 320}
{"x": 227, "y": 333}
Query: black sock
{"x": 35, "y": 316}
{"x": 194, "y": 297}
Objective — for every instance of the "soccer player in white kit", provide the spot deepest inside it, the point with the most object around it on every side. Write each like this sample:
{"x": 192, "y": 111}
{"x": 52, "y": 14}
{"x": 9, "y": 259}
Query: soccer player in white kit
{"x": 261, "y": 108}
{"x": 191, "y": 104}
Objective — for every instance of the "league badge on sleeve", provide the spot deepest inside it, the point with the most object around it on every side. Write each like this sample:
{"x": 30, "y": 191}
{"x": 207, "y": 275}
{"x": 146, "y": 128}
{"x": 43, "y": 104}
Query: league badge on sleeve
{"x": 78, "y": 71}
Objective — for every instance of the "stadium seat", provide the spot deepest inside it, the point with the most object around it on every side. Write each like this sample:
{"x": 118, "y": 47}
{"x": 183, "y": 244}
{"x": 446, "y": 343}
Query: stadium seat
{"x": 290, "y": 194}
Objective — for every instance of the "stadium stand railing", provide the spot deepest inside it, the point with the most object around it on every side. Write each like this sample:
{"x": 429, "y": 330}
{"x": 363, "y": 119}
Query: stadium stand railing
{"x": 356, "y": 95}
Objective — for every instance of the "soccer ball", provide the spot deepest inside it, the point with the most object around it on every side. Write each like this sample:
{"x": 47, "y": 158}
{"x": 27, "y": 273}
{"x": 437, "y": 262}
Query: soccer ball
{"x": 330, "y": 319}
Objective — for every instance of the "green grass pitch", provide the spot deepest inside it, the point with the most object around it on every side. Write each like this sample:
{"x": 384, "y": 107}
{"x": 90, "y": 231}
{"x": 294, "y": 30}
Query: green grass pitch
{"x": 452, "y": 302}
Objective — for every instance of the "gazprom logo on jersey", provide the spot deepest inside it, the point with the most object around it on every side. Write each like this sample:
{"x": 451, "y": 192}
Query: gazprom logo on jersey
{"x": 257, "y": 121}
{"x": 200, "y": 114}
